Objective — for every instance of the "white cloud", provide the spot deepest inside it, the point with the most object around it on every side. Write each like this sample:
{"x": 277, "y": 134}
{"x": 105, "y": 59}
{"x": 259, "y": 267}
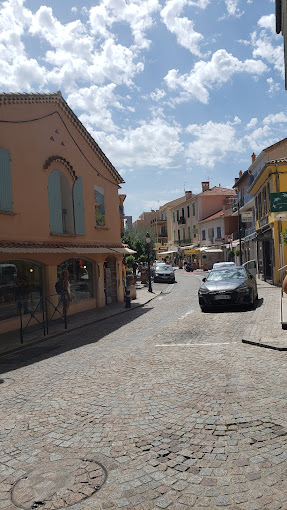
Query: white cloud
{"x": 136, "y": 13}
{"x": 154, "y": 144}
{"x": 252, "y": 123}
{"x": 232, "y": 7}
{"x": 205, "y": 75}
{"x": 97, "y": 103}
{"x": 182, "y": 27}
{"x": 157, "y": 95}
{"x": 267, "y": 22}
{"x": 213, "y": 143}
{"x": 275, "y": 118}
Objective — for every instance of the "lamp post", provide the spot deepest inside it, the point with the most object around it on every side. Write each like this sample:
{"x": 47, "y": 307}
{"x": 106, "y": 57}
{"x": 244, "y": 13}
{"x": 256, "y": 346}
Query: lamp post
{"x": 148, "y": 240}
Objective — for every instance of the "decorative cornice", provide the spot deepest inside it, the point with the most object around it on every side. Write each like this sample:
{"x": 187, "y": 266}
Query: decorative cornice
{"x": 50, "y": 160}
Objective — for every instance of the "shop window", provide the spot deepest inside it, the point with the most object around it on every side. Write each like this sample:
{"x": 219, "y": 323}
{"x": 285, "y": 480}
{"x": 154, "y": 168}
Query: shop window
{"x": 100, "y": 206}
{"x": 80, "y": 278}
{"x": 20, "y": 280}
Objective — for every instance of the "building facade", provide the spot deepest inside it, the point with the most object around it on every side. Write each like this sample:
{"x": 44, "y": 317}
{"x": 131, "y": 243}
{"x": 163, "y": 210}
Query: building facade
{"x": 59, "y": 208}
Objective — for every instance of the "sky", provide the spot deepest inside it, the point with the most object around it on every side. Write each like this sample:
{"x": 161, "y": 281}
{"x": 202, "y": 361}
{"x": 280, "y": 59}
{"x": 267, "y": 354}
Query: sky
{"x": 175, "y": 92}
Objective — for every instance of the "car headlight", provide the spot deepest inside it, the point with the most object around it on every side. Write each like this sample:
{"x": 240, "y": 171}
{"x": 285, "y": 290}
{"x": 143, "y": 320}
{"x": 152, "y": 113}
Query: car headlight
{"x": 203, "y": 291}
{"x": 243, "y": 288}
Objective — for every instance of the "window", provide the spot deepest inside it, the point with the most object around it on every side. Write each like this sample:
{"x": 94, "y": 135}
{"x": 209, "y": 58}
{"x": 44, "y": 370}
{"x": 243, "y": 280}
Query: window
{"x": 66, "y": 205}
{"x": 218, "y": 232}
{"x": 256, "y": 208}
{"x": 178, "y": 235}
{"x": 193, "y": 209}
{"x": 188, "y": 212}
{"x": 177, "y": 215}
{"x": 174, "y": 235}
{"x": 6, "y": 203}
{"x": 20, "y": 281}
{"x": 268, "y": 197}
{"x": 182, "y": 212}
{"x": 100, "y": 206}
{"x": 264, "y": 201}
{"x": 183, "y": 233}
{"x": 80, "y": 278}
{"x": 203, "y": 235}
{"x": 173, "y": 217}
{"x": 189, "y": 236}
{"x": 259, "y": 206}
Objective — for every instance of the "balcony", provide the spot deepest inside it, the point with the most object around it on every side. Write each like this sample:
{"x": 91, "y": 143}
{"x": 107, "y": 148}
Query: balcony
{"x": 183, "y": 242}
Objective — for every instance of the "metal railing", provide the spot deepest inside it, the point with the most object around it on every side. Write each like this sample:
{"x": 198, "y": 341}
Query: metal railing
{"x": 42, "y": 311}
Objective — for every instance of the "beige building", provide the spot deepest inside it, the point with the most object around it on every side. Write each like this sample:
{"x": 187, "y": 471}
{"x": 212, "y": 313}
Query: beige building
{"x": 59, "y": 209}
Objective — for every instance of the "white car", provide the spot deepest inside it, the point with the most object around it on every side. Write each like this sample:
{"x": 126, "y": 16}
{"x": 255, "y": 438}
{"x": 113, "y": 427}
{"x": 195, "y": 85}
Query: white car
{"x": 218, "y": 265}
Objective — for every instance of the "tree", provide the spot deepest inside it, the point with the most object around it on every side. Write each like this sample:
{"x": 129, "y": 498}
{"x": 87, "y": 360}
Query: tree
{"x": 135, "y": 239}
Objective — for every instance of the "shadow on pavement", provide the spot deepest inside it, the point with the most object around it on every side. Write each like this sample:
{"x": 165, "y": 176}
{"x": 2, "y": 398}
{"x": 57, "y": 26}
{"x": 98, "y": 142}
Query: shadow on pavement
{"x": 74, "y": 339}
{"x": 236, "y": 308}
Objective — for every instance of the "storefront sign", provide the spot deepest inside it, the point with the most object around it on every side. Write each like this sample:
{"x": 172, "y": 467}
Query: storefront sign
{"x": 246, "y": 216}
{"x": 278, "y": 202}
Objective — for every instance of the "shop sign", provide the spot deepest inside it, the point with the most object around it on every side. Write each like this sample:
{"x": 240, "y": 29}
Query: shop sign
{"x": 278, "y": 201}
{"x": 247, "y": 216}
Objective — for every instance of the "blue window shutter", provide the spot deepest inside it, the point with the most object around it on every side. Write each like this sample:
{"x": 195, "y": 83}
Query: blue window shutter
{"x": 6, "y": 203}
{"x": 79, "y": 210}
{"x": 55, "y": 205}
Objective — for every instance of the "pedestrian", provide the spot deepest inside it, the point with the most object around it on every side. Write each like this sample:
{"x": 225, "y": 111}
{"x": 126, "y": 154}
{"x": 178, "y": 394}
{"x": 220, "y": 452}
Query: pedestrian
{"x": 135, "y": 266}
{"x": 63, "y": 289}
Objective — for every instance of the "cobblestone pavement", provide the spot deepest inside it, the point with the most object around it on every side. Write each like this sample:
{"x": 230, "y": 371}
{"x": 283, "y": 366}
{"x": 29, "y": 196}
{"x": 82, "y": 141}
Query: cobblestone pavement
{"x": 162, "y": 408}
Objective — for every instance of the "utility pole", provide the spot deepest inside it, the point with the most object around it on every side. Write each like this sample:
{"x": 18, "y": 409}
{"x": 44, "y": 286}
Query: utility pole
{"x": 281, "y": 28}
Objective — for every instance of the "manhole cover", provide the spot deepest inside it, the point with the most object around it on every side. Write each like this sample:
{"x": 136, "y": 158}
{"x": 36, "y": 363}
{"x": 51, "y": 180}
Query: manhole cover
{"x": 59, "y": 484}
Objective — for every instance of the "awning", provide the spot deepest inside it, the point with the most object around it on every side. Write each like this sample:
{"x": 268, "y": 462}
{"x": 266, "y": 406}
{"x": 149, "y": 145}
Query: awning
{"x": 125, "y": 251}
{"x": 211, "y": 250}
{"x": 57, "y": 249}
{"x": 190, "y": 247}
{"x": 167, "y": 252}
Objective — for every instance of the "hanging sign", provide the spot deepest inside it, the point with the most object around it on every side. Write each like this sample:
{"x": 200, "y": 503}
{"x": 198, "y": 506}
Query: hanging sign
{"x": 246, "y": 216}
{"x": 278, "y": 202}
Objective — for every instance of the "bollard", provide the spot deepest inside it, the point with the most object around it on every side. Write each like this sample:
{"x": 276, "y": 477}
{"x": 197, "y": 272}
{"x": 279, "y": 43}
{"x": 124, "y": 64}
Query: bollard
{"x": 128, "y": 298}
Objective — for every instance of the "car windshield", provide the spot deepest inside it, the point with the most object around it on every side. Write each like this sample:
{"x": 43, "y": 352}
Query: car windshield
{"x": 227, "y": 274}
{"x": 163, "y": 267}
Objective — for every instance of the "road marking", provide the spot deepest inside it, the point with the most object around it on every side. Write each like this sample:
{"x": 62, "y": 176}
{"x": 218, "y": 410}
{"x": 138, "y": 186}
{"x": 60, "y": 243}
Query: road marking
{"x": 185, "y": 315}
{"x": 169, "y": 288}
{"x": 192, "y": 345}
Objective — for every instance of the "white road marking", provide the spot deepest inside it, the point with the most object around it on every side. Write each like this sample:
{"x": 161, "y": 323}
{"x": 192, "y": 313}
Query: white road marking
{"x": 185, "y": 315}
{"x": 193, "y": 345}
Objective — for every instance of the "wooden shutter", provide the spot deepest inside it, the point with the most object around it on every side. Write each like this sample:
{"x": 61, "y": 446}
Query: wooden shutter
{"x": 79, "y": 210}
{"x": 55, "y": 205}
{"x": 6, "y": 203}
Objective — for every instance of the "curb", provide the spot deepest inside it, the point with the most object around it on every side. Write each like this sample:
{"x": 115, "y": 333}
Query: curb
{"x": 266, "y": 346}
{"x": 75, "y": 328}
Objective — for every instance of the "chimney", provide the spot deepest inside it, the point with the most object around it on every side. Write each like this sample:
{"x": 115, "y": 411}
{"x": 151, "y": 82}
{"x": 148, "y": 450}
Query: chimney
{"x": 205, "y": 185}
{"x": 253, "y": 157}
{"x": 235, "y": 180}
{"x": 188, "y": 194}
{"x": 240, "y": 173}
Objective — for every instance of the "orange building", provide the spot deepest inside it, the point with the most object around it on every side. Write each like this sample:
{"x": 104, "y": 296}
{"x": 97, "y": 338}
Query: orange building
{"x": 59, "y": 208}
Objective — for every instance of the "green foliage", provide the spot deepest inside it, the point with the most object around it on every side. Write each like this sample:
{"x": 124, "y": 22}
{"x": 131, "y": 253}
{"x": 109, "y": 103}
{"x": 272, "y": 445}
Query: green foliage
{"x": 230, "y": 254}
{"x": 130, "y": 260}
{"x": 284, "y": 236}
{"x": 135, "y": 239}
{"x": 237, "y": 252}
{"x": 142, "y": 258}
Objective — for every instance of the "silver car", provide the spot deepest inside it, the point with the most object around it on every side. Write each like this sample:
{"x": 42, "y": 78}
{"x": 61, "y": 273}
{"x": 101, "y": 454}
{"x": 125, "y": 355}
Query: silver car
{"x": 164, "y": 273}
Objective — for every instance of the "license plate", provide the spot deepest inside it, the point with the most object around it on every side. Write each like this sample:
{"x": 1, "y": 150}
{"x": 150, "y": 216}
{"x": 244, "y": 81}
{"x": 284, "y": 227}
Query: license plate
{"x": 222, "y": 296}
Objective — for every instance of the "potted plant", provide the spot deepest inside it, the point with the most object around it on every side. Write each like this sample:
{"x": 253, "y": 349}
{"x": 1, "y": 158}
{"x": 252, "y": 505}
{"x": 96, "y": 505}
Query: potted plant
{"x": 204, "y": 263}
{"x": 230, "y": 255}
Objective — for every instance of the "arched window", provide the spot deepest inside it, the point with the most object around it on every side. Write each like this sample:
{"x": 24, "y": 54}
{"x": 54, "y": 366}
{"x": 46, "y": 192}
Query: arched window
{"x": 66, "y": 208}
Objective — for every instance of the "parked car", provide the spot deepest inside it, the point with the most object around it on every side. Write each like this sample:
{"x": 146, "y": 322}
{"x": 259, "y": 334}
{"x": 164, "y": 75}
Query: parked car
{"x": 217, "y": 265}
{"x": 232, "y": 285}
{"x": 250, "y": 265}
{"x": 164, "y": 273}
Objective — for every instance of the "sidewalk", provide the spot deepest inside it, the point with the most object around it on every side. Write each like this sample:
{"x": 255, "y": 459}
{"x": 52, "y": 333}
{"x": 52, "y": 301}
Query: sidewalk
{"x": 265, "y": 329}
{"x": 10, "y": 342}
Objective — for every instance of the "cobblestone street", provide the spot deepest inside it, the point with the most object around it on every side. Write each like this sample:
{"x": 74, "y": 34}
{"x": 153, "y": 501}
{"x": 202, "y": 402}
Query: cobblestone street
{"x": 163, "y": 407}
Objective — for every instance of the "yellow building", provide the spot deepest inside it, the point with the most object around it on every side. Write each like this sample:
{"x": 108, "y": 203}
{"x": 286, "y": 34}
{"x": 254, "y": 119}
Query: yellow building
{"x": 271, "y": 218}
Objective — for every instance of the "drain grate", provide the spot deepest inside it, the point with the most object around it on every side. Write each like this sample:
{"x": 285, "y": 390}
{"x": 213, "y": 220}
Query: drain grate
{"x": 58, "y": 484}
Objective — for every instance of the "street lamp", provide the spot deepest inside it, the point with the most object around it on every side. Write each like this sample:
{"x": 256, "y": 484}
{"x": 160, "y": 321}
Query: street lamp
{"x": 148, "y": 240}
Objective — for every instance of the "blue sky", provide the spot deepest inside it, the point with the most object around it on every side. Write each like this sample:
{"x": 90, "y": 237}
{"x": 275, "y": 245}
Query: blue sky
{"x": 174, "y": 91}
